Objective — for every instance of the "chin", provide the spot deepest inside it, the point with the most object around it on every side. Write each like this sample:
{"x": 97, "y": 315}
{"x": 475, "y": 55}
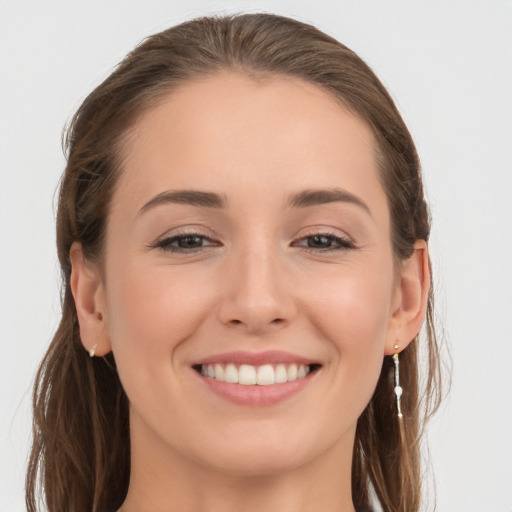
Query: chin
{"x": 264, "y": 451}
{"x": 257, "y": 462}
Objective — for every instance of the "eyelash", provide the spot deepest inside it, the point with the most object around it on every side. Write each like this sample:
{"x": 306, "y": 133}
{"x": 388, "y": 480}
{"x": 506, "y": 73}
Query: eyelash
{"x": 342, "y": 243}
{"x": 166, "y": 243}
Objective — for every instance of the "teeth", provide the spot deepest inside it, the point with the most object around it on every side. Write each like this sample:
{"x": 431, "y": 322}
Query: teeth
{"x": 265, "y": 375}
{"x": 291, "y": 374}
{"x": 249, "y": 375}
{"x": 281, "y": 375}
{"x": 219, "y": 372}
{"x": 231, "y": 374}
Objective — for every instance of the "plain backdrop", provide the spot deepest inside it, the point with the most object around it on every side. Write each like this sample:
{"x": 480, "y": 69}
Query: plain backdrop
{"x": 448, "y": 66}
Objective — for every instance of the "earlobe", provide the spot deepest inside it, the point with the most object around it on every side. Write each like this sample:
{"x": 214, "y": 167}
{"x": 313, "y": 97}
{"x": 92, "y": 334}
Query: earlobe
{"x": 88, "y": 293}
{"x": 411, "y": 298}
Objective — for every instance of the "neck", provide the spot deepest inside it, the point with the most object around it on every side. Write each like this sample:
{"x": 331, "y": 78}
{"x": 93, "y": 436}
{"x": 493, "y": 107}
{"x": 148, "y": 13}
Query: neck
{"x": 163, "y": 480}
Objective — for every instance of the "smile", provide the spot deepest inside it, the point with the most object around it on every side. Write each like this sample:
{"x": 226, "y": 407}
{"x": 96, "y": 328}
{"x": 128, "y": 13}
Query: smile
{"x": 256, "y": 379}
{"x": 249, "y": 375}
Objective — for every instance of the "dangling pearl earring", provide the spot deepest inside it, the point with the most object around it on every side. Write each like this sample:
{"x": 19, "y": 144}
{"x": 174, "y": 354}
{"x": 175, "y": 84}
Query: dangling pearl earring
{"x": 91, "y": 352}
{"x": 398, "y": 389}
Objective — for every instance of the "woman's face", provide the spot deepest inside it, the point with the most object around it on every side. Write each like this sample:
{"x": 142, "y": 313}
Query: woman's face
{"x": 249, "y": 232}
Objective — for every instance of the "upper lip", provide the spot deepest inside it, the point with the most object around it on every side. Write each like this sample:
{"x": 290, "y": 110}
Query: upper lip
{"x": 239, "y": 357}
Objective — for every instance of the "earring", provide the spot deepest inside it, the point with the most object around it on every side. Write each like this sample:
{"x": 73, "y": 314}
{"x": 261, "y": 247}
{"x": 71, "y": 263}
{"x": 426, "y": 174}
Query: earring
{"x": 398, "y": 389}
{"x": 91, "y": 352}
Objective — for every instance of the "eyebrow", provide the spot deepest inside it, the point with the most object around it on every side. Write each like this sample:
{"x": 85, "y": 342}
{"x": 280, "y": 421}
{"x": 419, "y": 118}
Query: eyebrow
{"x": 303, "y": 199}
{"x": 313, "y": 197}
{"x": 189, "y": 197}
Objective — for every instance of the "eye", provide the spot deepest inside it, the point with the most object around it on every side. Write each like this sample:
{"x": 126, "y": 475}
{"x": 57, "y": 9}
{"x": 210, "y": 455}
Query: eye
{"x": 325, "y": 242}
{"x": 184, "y": 243}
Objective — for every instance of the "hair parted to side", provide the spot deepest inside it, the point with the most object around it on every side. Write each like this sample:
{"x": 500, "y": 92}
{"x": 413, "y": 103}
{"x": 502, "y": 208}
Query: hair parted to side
{"x": 80, "y": 457}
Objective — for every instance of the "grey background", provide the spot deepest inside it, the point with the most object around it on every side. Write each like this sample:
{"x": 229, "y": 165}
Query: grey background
{"x": 447, "y": 64}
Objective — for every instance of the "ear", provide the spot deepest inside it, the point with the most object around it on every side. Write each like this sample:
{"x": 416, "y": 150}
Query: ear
{"x": 410, "y": 299}
{"x": 88, "y": 291}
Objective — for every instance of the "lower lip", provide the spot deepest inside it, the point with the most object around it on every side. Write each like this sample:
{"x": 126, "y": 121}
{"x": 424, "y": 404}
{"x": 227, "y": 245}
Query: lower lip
{"x": 256, "y": 395}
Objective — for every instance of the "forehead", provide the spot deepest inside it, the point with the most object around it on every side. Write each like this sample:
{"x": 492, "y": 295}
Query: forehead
{"x": 229, "y": 129}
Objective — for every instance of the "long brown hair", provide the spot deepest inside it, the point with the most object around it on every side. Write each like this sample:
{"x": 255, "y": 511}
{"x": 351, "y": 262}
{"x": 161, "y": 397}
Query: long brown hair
{"x": 80, "y": 458}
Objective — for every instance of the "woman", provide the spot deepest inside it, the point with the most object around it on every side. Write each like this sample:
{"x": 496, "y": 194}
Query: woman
{"x": 243, "y": 237}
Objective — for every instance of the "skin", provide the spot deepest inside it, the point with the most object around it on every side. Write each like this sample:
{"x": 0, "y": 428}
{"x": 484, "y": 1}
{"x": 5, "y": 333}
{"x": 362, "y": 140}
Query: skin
{"x": 254, "y": 283}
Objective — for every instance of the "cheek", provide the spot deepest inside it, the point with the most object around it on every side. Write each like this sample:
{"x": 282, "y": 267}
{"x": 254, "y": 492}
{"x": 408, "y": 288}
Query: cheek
{"x": 352, "y": 313}
{"x": 353, "y": 308}
{"x": 150, "y": 312}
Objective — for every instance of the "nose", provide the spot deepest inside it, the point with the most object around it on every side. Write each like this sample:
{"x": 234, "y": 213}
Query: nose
{"x": 256, "y": 293}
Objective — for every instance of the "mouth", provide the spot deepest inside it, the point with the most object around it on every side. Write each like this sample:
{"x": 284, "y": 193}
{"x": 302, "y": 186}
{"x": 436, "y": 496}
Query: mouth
{"x": 256, "y": 379}
{"x": 251, "y": 375}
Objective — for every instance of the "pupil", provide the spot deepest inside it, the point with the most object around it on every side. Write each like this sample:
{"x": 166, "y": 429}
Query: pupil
{"x": 319, "y": 240}
{"x": 190, "y": 241}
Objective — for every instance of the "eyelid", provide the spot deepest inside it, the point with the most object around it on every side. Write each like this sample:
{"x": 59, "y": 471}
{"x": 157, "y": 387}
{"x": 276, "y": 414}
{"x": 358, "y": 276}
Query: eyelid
{"x": 344, "y": 241}
{"x": 164, "y": 242}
